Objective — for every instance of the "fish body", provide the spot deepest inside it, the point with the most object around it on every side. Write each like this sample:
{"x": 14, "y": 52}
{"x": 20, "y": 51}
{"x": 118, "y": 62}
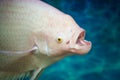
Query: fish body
{"x": 34, "y": 35}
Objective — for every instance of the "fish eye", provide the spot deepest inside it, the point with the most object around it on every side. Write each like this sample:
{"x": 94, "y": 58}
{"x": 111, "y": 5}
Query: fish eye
{"x": 59, "y": 40}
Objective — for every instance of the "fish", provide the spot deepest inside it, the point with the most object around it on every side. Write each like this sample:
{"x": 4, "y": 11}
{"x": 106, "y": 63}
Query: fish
{"x": 34, "y": 35}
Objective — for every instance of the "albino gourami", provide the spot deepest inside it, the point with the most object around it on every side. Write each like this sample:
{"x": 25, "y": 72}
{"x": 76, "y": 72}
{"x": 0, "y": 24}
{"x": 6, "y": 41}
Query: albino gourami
{"x": 34, "y": 35}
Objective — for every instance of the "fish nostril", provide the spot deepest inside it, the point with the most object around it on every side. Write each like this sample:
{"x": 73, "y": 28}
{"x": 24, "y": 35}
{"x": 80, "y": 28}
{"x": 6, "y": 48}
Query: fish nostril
{"x": 67, "y": 42}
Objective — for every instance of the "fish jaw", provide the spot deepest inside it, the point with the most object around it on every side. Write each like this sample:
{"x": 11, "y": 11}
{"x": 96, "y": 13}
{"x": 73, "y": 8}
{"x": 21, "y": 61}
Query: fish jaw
{"x": 80, "y": 45}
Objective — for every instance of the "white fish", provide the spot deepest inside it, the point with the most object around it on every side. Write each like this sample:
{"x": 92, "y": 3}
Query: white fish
{"x": 34, "y": 35}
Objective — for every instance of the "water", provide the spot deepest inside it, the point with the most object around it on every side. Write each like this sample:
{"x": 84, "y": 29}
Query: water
{"x": 101, "y": 19}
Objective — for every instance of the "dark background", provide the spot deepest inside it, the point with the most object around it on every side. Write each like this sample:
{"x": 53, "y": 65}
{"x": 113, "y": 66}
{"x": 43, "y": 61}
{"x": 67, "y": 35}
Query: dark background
{"x": 101, "y": 20}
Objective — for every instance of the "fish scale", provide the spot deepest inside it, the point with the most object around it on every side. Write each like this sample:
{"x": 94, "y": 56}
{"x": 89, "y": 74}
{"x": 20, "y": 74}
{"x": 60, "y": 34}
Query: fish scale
{"x": 11, "y": 28}
{"x": 9, "y": 38}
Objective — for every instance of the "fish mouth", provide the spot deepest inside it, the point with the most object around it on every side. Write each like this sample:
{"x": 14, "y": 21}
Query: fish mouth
{"x": 81, "y": 39}
{"x": 81, "y": 46}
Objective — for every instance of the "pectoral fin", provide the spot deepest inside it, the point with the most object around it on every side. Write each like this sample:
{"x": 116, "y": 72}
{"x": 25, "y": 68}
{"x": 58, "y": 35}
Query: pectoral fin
{"x": 18, "y": 52}
{"x": 9, "y": 57}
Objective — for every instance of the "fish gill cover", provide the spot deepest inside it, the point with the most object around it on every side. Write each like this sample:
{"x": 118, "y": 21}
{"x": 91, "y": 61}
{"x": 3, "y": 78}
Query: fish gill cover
{"x": 101, "y": 19}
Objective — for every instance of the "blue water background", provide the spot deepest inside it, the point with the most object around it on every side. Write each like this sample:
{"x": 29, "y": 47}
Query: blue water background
{"x": 101, "y": 20}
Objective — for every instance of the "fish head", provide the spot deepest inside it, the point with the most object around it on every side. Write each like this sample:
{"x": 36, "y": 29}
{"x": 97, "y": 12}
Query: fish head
{"x": 65, "y": 37}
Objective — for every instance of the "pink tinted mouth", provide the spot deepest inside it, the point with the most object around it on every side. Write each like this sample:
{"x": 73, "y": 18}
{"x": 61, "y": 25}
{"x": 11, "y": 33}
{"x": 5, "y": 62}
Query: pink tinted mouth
{"x": 80, "y": 40}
